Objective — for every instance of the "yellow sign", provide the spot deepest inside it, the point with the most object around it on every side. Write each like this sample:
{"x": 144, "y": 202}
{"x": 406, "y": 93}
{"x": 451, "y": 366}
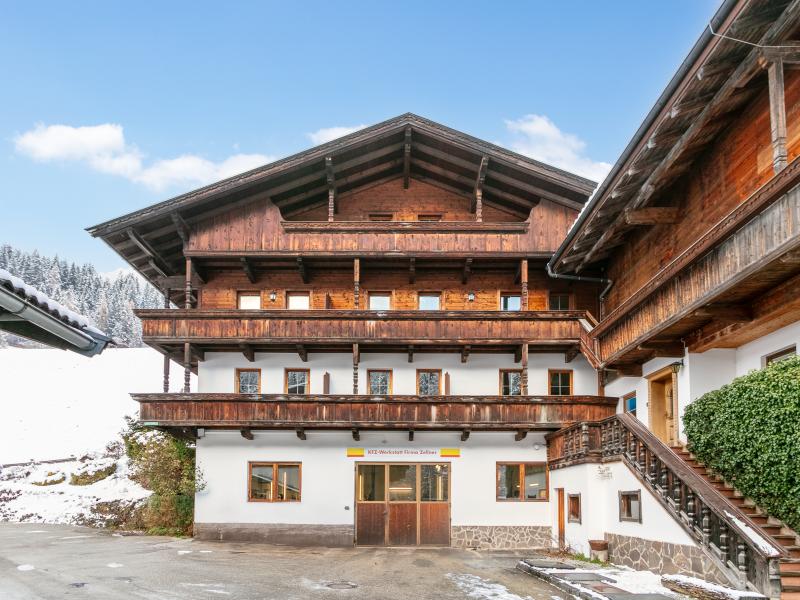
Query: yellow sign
{"x": 450, "y": 452}
{"x": 355, "y": 452}
{"x": 404, "y": 453}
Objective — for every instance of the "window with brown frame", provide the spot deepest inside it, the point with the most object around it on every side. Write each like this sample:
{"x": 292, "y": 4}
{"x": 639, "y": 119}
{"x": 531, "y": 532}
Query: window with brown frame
{"x": 629, "y": 403}
{"x": 574, "y": 508}
{"x": 248, "y": 300}
{"x": 780, "y": 355}
{"x": 522, "y": 482}
{"x": 559, "y": 302}
{"x": 273, "y": 482}
{"x": 380, "y": 300}
{"x": 298, "y": 300}
{"x": 381, "y": 217}
{"x": 297, "y": 381}
{"x": 630, "y": 506}
{"x": 510, "y": 382}
{"x": 429, "y": 301}
{"x": 429, "y": 217}
{"x": 559, "y": 382}
{"x": 247, "y": 381}
{"x": 429, "y": 382}
{"x": 379, "y": 381}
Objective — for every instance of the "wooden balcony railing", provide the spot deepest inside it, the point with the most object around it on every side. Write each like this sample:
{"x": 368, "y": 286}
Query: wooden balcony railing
{"x": 323, "y": 411}
{"x": 725, "y": 533}
{"x": 202, "y": 326}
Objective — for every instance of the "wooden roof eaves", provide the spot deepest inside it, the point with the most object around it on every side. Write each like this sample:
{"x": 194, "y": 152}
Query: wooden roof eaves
{"x": 554, "y": 175}
{"x": 620, "y": 174}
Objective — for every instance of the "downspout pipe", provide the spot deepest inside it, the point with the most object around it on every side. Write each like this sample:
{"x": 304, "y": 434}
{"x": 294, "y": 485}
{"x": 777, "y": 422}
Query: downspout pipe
{"x": 82, "y": 343}
{"x": 605, "y": 280}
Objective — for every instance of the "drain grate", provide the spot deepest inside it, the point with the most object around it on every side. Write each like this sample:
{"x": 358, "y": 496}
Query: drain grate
{"x": 341, "y": 585}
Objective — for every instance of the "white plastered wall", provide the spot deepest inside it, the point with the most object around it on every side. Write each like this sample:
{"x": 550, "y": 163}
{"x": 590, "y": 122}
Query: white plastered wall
{"x": 479, "y": 375}
{"x": 328, "y": 475}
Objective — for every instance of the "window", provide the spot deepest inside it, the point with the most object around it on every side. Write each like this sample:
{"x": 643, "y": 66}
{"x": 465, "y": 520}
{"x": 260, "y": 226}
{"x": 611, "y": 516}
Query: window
{"x": 434, "y": 483}
{"x": 380, "y": 217}
{"x": 429, "y": 301}
{"x": 429, "y": 382}
{"x": 559, "y": 302}
{"x": 429, "y": 217}
{"x": 297, "y": 381}
{"x": 380, "y": 301}
{"x": 630, "y": 506}
{"x": 510, "y": 382}
{"x": 248, "y": 381}
{"x": 560, "y": 383}
{"x": 371, "y": 483}
{"x": 525, "y": 482}
{"x": 629, "y": 403}
{"x": 274, "y": 482}
{"x": 402, "y": 483}
{"x": 380, "y": 382}
{"x": 574, "y": 508}
{"x": 248, "y": 300}
{"x": 510, "y": 302}
{"x": 298, "y": 301}
{"x": 780, "y": 355}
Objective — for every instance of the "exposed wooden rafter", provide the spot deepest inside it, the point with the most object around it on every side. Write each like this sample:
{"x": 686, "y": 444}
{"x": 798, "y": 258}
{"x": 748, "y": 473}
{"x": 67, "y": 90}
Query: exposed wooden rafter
{"x": 301, "y": 268}
{"x": 153, "y": 259}
{"x": 466, "y": 271}
{"x": 181, "y": 227}
{"x": 476, "y": 206}
{"x": 407, "y": 157}
{"x": 248, "y": 269}
{"x": 725, "y": 313}
{"x": 247, "y": 433}
{"x": 465, "y": 352}
{"x": 464, "y": 435}
{"x": 356, "y": 434}
{"x": 302, "y": 352}
{"x": 411, "y": 354}
{"x": 655, "y": 215}
{"x": 301, "y": 434}
{"x": 248, "y": 352}
{"x": 412, "y": 269}
{"x": 571, "y": 353}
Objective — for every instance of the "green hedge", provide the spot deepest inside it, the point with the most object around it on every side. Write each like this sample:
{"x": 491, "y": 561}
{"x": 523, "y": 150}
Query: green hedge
{"x": 749, "y": 432}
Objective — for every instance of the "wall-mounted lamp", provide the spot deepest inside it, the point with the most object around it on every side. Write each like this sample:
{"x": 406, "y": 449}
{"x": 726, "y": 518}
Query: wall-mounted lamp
{"x": 470, "y": 296}
{"x": 676, "y": 366}
{"x": 273, "y": 295}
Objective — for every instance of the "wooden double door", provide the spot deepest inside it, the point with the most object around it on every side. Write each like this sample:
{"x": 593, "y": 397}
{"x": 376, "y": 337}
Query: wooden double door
{"x": 402, "y": 504}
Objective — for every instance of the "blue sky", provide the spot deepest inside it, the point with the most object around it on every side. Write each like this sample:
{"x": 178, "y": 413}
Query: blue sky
{"x": 155, "y": 98}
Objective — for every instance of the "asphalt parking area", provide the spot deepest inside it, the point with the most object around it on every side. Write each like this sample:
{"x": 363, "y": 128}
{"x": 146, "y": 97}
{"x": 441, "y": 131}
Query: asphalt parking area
{"x": 57, "y": 561}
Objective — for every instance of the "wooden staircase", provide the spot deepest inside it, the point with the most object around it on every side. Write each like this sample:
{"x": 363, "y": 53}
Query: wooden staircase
{"x": 768, "y": 526}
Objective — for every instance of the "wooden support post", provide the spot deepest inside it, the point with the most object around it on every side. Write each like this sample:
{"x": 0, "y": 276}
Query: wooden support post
{"x": 356, "y": 282}
{"x": 477, "y": 198}
{"x": 523, "y": 276}
{"x": 188, "y": 283}
{"x": 331, "y": 187}
{"x": 166, "y": 356}
{"x": 187, "y": 367}
{"x": 356, "y": 360}
{"x": 407, "y": 158}
{"x": 523, "y": 376}
{"x": 777, "y": 114}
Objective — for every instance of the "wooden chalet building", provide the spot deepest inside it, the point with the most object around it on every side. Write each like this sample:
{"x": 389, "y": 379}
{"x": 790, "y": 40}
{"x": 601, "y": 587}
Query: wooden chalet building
{"x": 404, "y": 337}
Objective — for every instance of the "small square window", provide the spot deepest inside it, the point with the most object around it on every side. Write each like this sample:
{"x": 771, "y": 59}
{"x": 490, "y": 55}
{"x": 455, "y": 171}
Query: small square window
{"x": 429, "y": 382}
{"x": 560, "y": 383}
{"x": 248, "y": 300}
{"x": 510, "y": 382}
{"x": 297, "y": 381}
{"x": 630, "y": 506}
{"x": 274, "y": 482}
{"x": 380, "y": 382}
{"x": 380, "y": 301}
{"x": 784, "y": 354}
{"x": 429, "y": 301}
{"x": 298, "y": 301}
{"x": 248, "y": 381}
{"x": 574, "y": 508}
{"x": 559, "y": 302}
{"x": 510, "y": 302}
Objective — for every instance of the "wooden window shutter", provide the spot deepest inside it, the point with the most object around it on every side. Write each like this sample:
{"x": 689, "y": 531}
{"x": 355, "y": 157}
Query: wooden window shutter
{"x": 447, "y": 384}
{"x": 326, "y": 383}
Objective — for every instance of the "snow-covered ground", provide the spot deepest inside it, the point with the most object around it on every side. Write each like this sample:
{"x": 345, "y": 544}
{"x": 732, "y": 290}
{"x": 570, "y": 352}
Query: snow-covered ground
{"x": 58, "y": 404}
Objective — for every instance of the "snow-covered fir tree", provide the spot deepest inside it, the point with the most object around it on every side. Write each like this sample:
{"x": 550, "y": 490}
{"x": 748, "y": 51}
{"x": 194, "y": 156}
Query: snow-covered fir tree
{"x": 109, "y": 302}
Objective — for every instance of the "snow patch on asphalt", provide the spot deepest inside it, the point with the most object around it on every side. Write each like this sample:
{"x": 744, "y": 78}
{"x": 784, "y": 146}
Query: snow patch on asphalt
{"x": 114, "y": 565}
{"x": 477, "y": 587}
{"x": 25, "y": 568}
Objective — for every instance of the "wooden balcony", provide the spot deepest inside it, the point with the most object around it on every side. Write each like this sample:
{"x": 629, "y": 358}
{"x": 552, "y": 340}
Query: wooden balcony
{"x": 320, "y": 330}
{"x": 357, "y": 412}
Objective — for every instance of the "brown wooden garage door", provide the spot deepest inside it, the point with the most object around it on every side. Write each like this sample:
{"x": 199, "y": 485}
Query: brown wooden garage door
{"x": 403, "y": 504}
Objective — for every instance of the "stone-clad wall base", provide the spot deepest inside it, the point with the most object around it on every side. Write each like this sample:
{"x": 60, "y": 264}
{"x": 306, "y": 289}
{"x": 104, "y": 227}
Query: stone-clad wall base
{"x": 500, "y": 537}
{"x": 276, "y": 533}
{"x": 662, "y": 557}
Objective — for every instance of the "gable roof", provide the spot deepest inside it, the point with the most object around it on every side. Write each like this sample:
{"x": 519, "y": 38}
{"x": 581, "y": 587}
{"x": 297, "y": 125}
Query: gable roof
{"x": 700, "y": 100}
{"x": 150, "y": 239}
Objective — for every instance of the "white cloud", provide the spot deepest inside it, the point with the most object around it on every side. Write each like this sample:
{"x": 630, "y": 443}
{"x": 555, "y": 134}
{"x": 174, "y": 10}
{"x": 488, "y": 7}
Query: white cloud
{"x": 326, "y": 134}
{"x": 538, "y": 137}
{"x": 104, "y": 149}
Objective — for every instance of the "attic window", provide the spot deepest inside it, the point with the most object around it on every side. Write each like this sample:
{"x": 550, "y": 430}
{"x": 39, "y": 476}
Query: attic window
{"x": 429, "y": 217}
{"x": 380, "y": 217}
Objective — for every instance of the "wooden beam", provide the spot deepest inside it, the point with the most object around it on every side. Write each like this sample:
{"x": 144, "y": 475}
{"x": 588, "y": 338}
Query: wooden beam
{"x": 465, "y": 273}
{"x": 777, "y": 114}
{"x": 248, "y": 269}
{"x": 655, "y": 215}
{"x": 464, "y": 435}
{"x": 476, "y": 206}
{"x": 571, "y": 353}
{"x": 465, "y": 353}
{"x": 199, "y": 272}
{"x": 663, "y": 349}
{"x": 330, "y": 179}
{"x": 411, "y": 354}
{"x": 246, "y": 433}
{"x": 523, "y": 376}
{"x": 301, "y": 268}
{"x": 198, "y": 353}
{"x": 626, "y": 369}
{"x": 182, "y": 227}
{"x": 520, "y": 435}
{"x": 356, "y": 283}
{"x": 523, "y": 278}
{"x": 248, "y": 352}
{"x": 410, "y": 435}
{"x": 301, "y": 434}
{"x": 518, "y": 354}
{"x": 302, "y": 352}
{"x": 155, "y": 259}
{"x": 356, "y": 434}
{"x": 725, "y": 313}
{"x": 412, "y": 270}
{"x": 187, "y": 367}
{"x": 407, "y": 158}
